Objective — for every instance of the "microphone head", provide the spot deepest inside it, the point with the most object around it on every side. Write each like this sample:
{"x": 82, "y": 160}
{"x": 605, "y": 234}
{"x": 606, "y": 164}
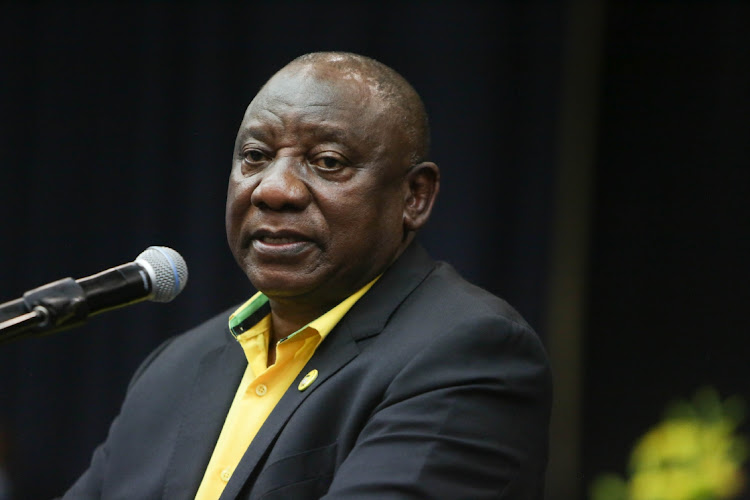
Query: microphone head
{"x": 167, "y": 270}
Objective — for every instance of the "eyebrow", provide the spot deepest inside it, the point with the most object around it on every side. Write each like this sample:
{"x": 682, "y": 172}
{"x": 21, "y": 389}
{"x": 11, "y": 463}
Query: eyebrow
{"x": 332, "y": 134}
{"x": 261, "y": 133}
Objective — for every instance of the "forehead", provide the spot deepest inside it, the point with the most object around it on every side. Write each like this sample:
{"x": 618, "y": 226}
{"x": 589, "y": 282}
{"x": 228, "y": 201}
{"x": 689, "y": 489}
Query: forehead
{"x": 320, "y": 98}
{"x": 328, "y": 84}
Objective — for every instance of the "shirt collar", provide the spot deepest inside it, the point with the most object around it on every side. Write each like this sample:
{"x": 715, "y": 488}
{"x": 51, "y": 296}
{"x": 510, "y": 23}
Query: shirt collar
{"x": 255, "y": 309}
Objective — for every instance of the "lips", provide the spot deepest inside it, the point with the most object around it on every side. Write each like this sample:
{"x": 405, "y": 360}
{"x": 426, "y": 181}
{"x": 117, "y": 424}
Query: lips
{"x": 278, "y": 240}
{"x": 279, "y": 243}
{"x": 279, "y": 236}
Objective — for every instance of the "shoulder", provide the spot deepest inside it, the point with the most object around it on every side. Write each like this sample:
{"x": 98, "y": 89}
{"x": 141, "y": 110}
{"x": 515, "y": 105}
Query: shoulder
{"x": 446, "y": 287}
{"x": 446, "y": 324}
{"x": 445, "y": 304}
{"x": 188, "y": 346}
{"x": 419, "y": 293}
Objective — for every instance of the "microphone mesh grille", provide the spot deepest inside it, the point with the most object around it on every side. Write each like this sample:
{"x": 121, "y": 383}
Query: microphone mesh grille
{"x": 170, "y": 272}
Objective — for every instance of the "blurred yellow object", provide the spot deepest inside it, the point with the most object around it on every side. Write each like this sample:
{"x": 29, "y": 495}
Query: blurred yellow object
{"x": 693, "y": 454}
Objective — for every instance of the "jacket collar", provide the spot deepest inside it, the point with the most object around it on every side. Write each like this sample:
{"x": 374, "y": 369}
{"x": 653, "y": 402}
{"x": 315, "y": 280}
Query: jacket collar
{"x": 369, "y": 316}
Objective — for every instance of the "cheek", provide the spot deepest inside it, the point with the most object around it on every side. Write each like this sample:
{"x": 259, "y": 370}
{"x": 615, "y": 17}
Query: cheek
{"x": 365, "y": 218}
{"x": 238, "y": 203}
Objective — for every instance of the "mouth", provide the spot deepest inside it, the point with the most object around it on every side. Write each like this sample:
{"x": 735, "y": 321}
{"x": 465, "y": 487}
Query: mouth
{"x": 278, "y": 240}
{"x": 279, "y": 243}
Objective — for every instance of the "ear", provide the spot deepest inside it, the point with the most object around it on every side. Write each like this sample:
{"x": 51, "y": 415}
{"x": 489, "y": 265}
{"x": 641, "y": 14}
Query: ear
{"x": 423, "y": 181}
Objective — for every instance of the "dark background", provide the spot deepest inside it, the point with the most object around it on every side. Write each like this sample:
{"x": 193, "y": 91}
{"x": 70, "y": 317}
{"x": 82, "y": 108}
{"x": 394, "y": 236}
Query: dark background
{"x": 117, "y": 124}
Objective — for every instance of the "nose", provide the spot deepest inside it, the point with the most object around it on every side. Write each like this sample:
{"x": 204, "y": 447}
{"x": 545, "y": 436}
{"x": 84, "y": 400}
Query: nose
{"x": 281, "y": 187}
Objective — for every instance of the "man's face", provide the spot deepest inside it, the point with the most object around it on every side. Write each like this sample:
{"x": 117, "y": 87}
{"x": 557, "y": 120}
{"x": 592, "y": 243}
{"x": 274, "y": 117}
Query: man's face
{"x": 316, "y": 196}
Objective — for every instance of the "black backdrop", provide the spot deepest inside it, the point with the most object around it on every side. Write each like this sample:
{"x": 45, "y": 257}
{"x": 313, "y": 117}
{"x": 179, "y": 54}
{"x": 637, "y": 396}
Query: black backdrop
{"x": 116, "y": 130}
{"x": 670, "y": 280}
{"x": 117, "y": 123}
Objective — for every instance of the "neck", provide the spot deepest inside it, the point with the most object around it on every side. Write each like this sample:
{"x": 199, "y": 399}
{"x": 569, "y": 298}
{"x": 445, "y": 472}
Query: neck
{"x": 289, "y": 314}
{"x": 287, "y": 318}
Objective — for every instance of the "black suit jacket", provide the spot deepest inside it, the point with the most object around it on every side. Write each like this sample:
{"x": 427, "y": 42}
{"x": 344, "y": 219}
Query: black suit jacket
{"x": 428, "y": 388}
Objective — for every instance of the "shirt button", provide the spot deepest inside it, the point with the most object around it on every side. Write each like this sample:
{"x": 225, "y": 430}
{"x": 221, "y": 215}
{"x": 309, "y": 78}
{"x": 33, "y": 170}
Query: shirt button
{"x": 225, "y": 475}
{"x": 261, "y": 389}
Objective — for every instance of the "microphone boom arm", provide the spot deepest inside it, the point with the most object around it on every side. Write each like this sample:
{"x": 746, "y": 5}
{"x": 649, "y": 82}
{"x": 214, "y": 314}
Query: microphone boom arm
{"x": 51, "y": 307}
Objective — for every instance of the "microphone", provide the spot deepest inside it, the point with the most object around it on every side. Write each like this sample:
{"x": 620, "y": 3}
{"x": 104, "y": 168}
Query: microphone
{"x": 158, "y": 274}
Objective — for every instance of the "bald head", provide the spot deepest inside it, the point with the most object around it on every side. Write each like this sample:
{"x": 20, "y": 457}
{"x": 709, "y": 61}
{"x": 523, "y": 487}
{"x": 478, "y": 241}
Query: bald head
{"x": 404, "y": 106}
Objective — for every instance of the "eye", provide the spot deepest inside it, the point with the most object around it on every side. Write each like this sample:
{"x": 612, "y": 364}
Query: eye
{"x": 253, "y": 156}
{"x": 329, "y": 162}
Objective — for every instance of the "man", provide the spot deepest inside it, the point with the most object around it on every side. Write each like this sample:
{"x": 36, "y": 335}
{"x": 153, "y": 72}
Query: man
{"x": 364, "y": 369}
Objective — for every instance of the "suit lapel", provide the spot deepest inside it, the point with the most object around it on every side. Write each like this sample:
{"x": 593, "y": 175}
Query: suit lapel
{"x": 213, "y": 389}
{"x": 367, "y": 317}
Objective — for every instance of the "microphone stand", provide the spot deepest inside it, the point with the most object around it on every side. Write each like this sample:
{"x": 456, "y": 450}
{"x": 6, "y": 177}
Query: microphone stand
{"x": 52, "y": 307}
{"x": 14, "y": 327}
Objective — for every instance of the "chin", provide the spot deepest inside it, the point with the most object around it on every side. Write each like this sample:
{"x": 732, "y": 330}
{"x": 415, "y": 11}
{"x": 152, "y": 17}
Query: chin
{"x": 280, "y": 284}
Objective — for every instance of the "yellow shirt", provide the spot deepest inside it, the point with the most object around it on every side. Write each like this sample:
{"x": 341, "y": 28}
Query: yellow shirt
{"x": 263, "y": 386}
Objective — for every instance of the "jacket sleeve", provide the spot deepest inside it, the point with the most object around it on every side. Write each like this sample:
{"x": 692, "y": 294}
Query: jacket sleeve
{"x": 89, "y": 484}
{"x": 466, "y": 418}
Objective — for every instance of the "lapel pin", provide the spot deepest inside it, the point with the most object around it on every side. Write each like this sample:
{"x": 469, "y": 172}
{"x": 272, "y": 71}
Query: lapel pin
{"x": 308, "y": 380}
